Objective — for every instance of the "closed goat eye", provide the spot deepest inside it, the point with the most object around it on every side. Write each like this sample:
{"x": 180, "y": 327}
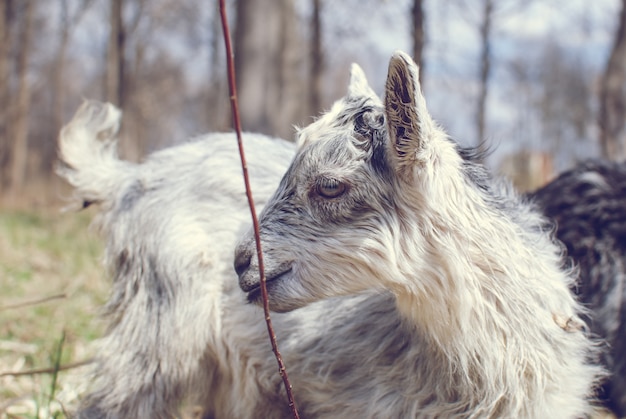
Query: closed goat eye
{"x": 330, "y": 188}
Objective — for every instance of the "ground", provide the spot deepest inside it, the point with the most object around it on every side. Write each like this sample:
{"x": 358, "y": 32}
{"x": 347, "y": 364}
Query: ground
{"x": 51, "y": 288}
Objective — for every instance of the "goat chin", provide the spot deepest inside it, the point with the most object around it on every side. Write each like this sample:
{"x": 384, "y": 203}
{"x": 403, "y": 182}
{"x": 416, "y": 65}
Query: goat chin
{"x": 412, "y": 283}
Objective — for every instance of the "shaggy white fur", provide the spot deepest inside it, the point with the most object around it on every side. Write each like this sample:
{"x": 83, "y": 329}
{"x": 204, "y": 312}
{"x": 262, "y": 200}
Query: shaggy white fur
{"x": 423, "y": 287}
{"x": 379, "y": 198}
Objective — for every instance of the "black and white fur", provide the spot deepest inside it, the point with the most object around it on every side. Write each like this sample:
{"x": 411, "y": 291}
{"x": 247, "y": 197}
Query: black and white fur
{"x": 588, "y": 206}
{"x": 379, "y": 199}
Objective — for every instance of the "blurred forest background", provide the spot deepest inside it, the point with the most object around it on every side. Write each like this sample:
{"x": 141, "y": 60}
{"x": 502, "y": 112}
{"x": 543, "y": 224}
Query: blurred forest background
{"x": 542, "y": 83}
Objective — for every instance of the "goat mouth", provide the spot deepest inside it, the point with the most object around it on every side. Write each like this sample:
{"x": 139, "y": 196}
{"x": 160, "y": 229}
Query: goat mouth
{"x": 254, "y": 294}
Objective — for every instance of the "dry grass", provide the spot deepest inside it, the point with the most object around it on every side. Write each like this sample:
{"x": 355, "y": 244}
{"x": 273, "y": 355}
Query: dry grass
{"x": 51, "y": 287}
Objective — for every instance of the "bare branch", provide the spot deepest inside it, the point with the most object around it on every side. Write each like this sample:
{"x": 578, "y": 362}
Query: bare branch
{"x": 34, "y": 302}
{"x": 50, "y": 370}
{"x": 255, "y": 222}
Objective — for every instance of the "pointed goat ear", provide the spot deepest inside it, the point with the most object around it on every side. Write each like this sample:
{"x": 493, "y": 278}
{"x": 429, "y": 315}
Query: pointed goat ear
{"x": 358, "y": 86}
{"x": 409, "y": 122}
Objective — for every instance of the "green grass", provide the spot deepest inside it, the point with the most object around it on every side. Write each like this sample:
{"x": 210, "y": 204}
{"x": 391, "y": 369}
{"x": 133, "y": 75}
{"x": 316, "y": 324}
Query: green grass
{"x": 47, "y": 254}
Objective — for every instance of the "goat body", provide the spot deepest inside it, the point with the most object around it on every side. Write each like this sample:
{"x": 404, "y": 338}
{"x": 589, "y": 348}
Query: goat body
{"x": 423, "y": 288}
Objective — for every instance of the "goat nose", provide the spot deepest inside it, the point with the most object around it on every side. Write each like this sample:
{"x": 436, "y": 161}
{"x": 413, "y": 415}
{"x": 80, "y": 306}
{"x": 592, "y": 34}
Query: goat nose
{"x": 242, "y": 261}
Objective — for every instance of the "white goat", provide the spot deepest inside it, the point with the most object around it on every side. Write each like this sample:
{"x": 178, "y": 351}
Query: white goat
{"x": 379, "y": 198}
{"x": 447, "y": 295}
{"x": 178, "y": 323}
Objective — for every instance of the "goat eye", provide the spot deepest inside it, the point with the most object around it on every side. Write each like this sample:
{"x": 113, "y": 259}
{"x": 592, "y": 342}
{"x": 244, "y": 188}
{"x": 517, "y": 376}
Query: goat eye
{"x": 330, "y": 188}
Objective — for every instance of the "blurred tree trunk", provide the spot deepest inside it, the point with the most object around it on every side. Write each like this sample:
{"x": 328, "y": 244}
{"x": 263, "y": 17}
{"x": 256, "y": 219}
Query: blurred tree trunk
{"x": 119, "y": 79}
{"x": 19, "y": 153}
{"x": 485, "y": 72}
{"x": 5, "y": 48}
{"x": 253, "y": 61}
{"x": 67, "y": 24}
{"x": 612, "y": 96}
{"x": 217, "y": 98}
{"x": 267, "y": 63}
{"x": 115, "y": 55}
{"x": 59, "y": 70}
{"x": 316, "y": 60}
{"x": 419, "y": 39}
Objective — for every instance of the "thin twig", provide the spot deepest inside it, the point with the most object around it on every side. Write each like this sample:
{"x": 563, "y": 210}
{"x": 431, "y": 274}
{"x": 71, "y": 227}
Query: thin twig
{"x": 34, "y": 302}
{"x": 57, "y": 365}
{"x": 255, "y": 222}
{"x": 50, "y": 370}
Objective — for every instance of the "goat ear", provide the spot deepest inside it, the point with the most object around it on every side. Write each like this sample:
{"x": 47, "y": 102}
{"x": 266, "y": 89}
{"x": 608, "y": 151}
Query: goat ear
{"x": 358, "y": 86}
{"x": 409, "y": 122}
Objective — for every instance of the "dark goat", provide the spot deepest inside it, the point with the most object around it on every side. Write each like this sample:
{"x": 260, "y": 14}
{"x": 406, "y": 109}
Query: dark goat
{"x": 588, "y": 206}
